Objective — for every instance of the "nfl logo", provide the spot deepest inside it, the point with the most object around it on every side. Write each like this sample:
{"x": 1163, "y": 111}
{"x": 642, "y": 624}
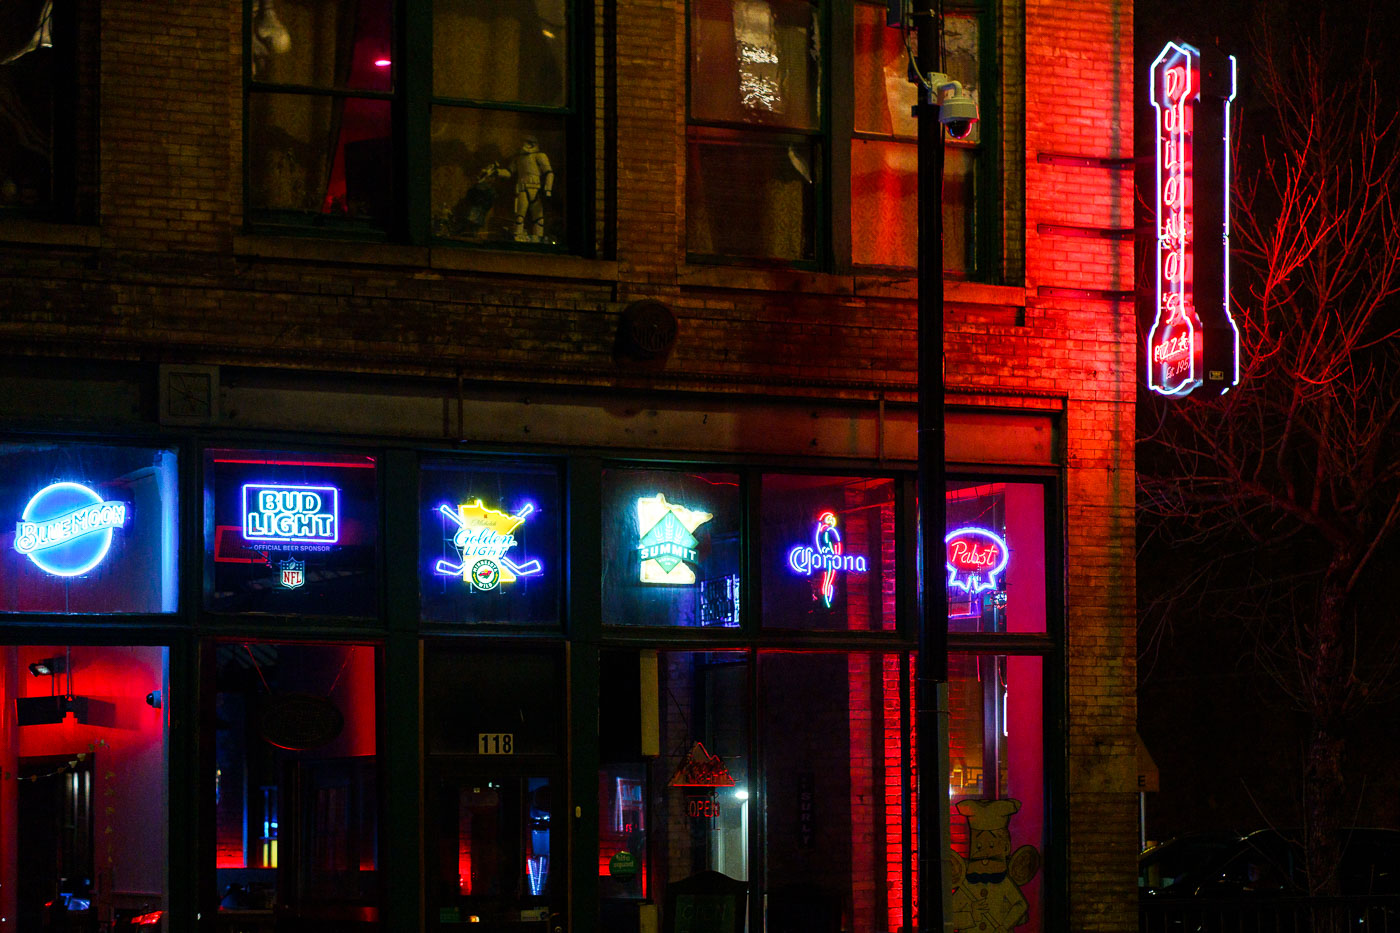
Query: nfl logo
{"x": 293, "y": 574}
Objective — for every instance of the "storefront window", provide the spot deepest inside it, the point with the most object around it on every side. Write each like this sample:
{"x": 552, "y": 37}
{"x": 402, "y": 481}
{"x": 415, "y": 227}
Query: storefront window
{"x": 996, "y": 557}
{"x": 831, "y": 733}
{"x": 290, "y": 533}
{"x": 88, "y": 529}
{"x": 489, "y": 543}
{"x": 996, "y": 751}
{"x": 671, "y": 548}
{"x": 828, "y": 552}
{"x": 83, "y": 807}
{"x": 295, "y": 787}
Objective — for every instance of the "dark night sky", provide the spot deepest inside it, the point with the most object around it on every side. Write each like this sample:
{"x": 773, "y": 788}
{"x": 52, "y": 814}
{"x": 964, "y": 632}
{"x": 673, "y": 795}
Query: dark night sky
{"x": 1228, "y": 747}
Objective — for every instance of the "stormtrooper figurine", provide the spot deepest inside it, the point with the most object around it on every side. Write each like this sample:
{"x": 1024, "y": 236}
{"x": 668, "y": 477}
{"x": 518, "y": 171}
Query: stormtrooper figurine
{"x": 534, "y": 182}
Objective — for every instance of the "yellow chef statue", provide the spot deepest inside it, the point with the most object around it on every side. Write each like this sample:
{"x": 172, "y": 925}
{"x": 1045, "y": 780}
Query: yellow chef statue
{"x": 986, "y": 885}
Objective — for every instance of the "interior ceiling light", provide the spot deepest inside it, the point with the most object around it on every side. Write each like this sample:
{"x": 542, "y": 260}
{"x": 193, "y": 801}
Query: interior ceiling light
{"x": 48, "y": 667}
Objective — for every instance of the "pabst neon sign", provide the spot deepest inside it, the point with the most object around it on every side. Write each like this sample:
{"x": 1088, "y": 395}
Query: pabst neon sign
{"x": 1193, "y": 339}
{"x": 975, "y": 558}
{"x": 826, "y": 558}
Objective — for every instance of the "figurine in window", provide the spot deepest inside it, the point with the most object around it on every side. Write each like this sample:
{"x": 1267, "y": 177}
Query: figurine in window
{"x": 269, "y": 36}
{"x": 534, "y": 182}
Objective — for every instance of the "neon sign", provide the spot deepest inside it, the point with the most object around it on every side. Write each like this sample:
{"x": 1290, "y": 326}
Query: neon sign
{"x": 1174, "y": 344}
{"x": 66, "y": 529}
{"x": 975, "y": 556}
{"x": 827, "y": 557}
{"x": 667, "y": 545}
{"x": 291, "y": 514}
{"x": 1193, "y": 340}
{"x": 483, "y": 537}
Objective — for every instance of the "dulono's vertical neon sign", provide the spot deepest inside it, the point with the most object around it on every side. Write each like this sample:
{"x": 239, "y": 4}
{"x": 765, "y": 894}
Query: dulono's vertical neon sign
{"x": 1174, "y": 347}
{"x": 1193, "y": 340}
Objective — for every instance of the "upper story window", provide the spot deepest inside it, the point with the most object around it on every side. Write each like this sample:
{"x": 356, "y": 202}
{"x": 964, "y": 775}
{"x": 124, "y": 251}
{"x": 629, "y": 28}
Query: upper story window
{"x": 47, "y": 109}
{"x": 800, "y": 120}
{"x": 470, "y": 144}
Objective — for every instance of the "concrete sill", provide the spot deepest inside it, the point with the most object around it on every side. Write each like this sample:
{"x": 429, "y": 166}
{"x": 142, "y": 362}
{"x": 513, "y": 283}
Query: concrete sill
{"x": 532, "y": 265}
{"x": 44, "y": 233}
{"x": 892, "y": 285}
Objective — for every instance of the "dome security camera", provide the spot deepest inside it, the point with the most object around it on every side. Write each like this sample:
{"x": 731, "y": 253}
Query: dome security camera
{"x": 957, "y": 111}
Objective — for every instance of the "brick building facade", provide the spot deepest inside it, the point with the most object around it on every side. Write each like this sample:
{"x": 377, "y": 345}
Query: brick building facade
{"x": 693, "y": 319}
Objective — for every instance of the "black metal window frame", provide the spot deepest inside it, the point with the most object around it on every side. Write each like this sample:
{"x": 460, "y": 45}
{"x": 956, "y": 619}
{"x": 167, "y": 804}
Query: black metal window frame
{"x": 411, "y": 101}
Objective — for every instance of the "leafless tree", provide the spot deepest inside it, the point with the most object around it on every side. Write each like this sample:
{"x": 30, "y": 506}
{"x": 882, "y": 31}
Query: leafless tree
{"x": 1292, "y": 479}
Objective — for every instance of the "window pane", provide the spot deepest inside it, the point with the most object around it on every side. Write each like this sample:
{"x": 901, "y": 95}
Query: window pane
{"x": 491, "y": 703}
{"x": 702, "y": 775}
{"x": 755, "y": 61}
{"x": 290, "y": 533}
{"x": 295, "y": 788}
{"x": 494, "y": 176}
{"x": 513, "y": 52}
{"x": 828, "y": 553}
{"x": 89, "y": 529}
{"x": 963, "y": 57}
{"x": 323, "y": 43}
{"x": 884, "y": 97}
{"x": 885, "y": 205}
{"x": 670, "y": 548}
{"x": 28, "y": 84}
{"x": 489, "y": 543}
{"x": 834, "y": 816}
{"x": 996, "y": 557}
{"x": 767, "y": 183}
{"x": 83, "y": 800}
{"x": 996, "y": 788}
{"x": 319, "y": 160}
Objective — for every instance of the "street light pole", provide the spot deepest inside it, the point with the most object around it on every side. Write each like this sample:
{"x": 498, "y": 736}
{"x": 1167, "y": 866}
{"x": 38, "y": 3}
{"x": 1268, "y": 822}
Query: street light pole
{"x": 931, "y": 667}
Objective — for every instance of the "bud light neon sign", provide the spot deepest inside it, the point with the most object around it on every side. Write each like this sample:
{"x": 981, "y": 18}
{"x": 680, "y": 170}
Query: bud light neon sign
{"x": 291, "y": 514}
{"x": 66, "y": 529}
{"x": 975, "y": 557}
{"x": 483, "y": 537}
{"x": 826, "y": 558}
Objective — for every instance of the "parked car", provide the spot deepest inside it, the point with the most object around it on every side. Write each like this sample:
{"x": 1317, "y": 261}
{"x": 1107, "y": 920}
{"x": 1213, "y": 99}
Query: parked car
{"x": 1258, "y": 882}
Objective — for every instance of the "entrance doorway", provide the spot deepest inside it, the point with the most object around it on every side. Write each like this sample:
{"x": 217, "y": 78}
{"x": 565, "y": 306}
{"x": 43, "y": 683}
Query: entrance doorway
{"x": 55, "y": 838}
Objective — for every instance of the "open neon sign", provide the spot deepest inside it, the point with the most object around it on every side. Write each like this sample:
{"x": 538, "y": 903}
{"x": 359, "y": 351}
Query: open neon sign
{"x": 975, "y": 557}
{"x": 66, "y": 528}
{"x": 483, "y": 537}
{"x": 827, "y": 557}
{"x": 1193, "y": 339}
{"x": 291, "y": 514}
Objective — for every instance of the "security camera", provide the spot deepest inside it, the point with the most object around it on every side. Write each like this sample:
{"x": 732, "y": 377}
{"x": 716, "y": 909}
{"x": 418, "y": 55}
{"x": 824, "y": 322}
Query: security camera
{"x": 153, "y": 699}
{"x": 957, "y": 111}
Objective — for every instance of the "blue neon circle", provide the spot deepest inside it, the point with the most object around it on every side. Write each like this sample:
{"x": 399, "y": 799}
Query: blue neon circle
{"x": 78, "y": 555}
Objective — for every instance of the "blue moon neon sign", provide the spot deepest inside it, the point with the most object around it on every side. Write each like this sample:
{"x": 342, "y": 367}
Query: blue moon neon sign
{"x": 66, "y": 529}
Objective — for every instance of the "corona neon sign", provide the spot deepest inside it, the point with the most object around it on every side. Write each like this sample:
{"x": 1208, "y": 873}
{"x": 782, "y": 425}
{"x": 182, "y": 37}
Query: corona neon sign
{"x": 667, "y": 545}
{"x": 1193, "y": 340}
{"x": 291, "y": 514}
{"x": 974, "y": 559}
{"x": 66, "y": 528}
{"x": 827, "y": 557}
{"x": 483, "y": 537}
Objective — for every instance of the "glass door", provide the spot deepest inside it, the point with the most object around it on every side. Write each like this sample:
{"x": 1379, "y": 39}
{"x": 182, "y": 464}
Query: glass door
{"x": 496, "y": 859}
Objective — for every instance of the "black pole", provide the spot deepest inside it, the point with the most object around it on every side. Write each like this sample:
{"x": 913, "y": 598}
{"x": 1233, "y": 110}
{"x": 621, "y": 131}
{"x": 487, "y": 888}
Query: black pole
{"x": 931, "y": 668}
